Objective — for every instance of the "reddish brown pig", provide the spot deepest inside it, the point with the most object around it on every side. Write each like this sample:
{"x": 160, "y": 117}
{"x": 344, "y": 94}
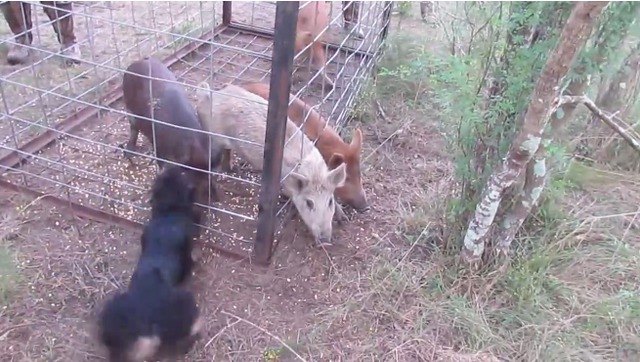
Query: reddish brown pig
{"x": 333, "y": 149}
{"x": 313, "y": 19}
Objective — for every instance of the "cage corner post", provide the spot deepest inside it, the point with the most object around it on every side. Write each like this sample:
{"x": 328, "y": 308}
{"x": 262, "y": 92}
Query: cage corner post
{"x": 386, "y": 16}
{"x": 280, "y": 88}
{"x": 227, "y": 7}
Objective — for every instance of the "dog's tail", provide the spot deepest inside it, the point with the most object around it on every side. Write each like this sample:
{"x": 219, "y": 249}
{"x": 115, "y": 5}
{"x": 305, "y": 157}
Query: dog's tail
{"x": 123, "y": 333}
{"x": 127, "y": 325}
{"x": 144, "y": 348}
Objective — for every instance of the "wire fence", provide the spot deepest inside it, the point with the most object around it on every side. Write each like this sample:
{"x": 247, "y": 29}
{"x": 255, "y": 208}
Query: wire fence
{"x": 78, "y": 105}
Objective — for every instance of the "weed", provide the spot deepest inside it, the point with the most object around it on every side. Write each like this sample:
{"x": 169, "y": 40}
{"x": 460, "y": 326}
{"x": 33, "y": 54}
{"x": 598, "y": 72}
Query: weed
{"x": 9, "y": 274}
{"x": 570, "y": 292}
{"x": 403, "y": 8}
{"x": 186, "y": 29}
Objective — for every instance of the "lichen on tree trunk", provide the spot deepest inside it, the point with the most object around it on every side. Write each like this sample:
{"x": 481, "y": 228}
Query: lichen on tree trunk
{"x": 538, "y": 114}
{"x": 535, "y": 179}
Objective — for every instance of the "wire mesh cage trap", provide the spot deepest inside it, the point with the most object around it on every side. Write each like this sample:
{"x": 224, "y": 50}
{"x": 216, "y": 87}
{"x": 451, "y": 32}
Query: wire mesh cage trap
{"x": 63, "y": 117}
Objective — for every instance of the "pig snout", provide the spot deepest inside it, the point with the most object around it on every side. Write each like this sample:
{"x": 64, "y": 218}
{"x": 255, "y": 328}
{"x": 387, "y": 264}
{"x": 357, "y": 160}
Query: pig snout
{"x": 360, "y": 203}
{"x": 361, "y": 206}
{"x": 323, "y": 239}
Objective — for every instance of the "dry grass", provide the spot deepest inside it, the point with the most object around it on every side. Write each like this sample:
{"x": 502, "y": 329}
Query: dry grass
{"x": 9, "y": 278}
{"x": 387, "y": 293}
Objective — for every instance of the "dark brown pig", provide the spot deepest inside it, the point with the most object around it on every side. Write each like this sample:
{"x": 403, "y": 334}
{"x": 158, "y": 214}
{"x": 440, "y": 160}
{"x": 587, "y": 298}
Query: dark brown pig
{"x": 170, "y": 105}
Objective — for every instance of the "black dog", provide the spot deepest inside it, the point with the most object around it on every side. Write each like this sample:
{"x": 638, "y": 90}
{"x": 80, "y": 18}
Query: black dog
{"x": 155, "y": 314}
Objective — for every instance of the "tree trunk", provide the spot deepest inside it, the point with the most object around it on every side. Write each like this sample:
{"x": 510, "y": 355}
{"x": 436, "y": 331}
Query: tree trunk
{"x": 541, "y": 107}
{"x": 605, "y": 39}
{"x": 534, "y": 182}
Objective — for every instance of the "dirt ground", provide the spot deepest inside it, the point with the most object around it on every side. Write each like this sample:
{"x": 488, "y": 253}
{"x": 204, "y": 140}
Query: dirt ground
{"x": 305, "y": 304}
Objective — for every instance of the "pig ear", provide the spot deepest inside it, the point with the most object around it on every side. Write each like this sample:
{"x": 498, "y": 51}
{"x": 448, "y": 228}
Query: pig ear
{"x": 338, "y": 176}
{"x": 336, "y": 160}
{"x": 301, "y": 181}
{"x": 203, "y": 93}
{"x": 356, "y": 140}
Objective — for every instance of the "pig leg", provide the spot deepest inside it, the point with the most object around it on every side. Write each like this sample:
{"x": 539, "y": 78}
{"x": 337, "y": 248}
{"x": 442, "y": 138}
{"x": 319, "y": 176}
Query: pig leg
{"x": 160, "y": 163}
{"x": 351, "y": 18}
{"x": 319, "y": 61}
{"x": 208, "y": 192}
{"x": 225, "y": 164}
{"x": 130, "y": 145}
{"x": 215, "y": 195}
{"x": 426, "y": 9}
{"x": 340, "y": 216}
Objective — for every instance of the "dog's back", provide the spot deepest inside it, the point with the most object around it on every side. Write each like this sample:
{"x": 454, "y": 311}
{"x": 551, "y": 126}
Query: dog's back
{"x": 167, "y": 244}
{"x": 155, "y": 314}
{"x": 168, "y": 236}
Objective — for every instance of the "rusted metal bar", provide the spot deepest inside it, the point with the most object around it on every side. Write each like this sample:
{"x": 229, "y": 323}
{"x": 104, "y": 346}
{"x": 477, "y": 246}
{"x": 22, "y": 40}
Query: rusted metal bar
{"x": 80, "y": 210}
{"x": 102, "y": 216}
{"x": 227, "y": 7}
{"x": 280, "y": 85}
{"x": 386, "y": 18}
{"x": 15, "y": 158}
{"x": 247, "y": 29}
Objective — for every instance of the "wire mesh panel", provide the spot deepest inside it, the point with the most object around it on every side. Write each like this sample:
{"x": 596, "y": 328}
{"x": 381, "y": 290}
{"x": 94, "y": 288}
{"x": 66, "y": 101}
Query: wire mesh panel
{"x": 337, "y": 45}
{"x": 44, "y": 94}
{"x": 63, "y": 119}
{"x": 353, "y": 40}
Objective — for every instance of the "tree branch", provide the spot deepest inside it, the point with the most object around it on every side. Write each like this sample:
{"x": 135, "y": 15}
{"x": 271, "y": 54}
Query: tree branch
{"x": 584, "y": 100}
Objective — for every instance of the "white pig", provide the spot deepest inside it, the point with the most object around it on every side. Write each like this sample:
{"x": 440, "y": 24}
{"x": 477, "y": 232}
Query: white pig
{"x": 241, "y": 115}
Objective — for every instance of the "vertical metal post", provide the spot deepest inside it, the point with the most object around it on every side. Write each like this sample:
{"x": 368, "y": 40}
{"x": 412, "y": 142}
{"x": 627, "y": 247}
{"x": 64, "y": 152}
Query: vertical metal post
{"x": 226, "y": 12}
{"x": 280, "y": 87}
{"x": 386, "y": 23}
{"x": 386, "y": 18}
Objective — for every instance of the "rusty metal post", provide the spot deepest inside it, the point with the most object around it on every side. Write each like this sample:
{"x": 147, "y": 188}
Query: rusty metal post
{"x": 386, "y": 18}
{"x": 226, "y": 12}
{"x": 386, "y": 23}
{"x": 280, "y": 88}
